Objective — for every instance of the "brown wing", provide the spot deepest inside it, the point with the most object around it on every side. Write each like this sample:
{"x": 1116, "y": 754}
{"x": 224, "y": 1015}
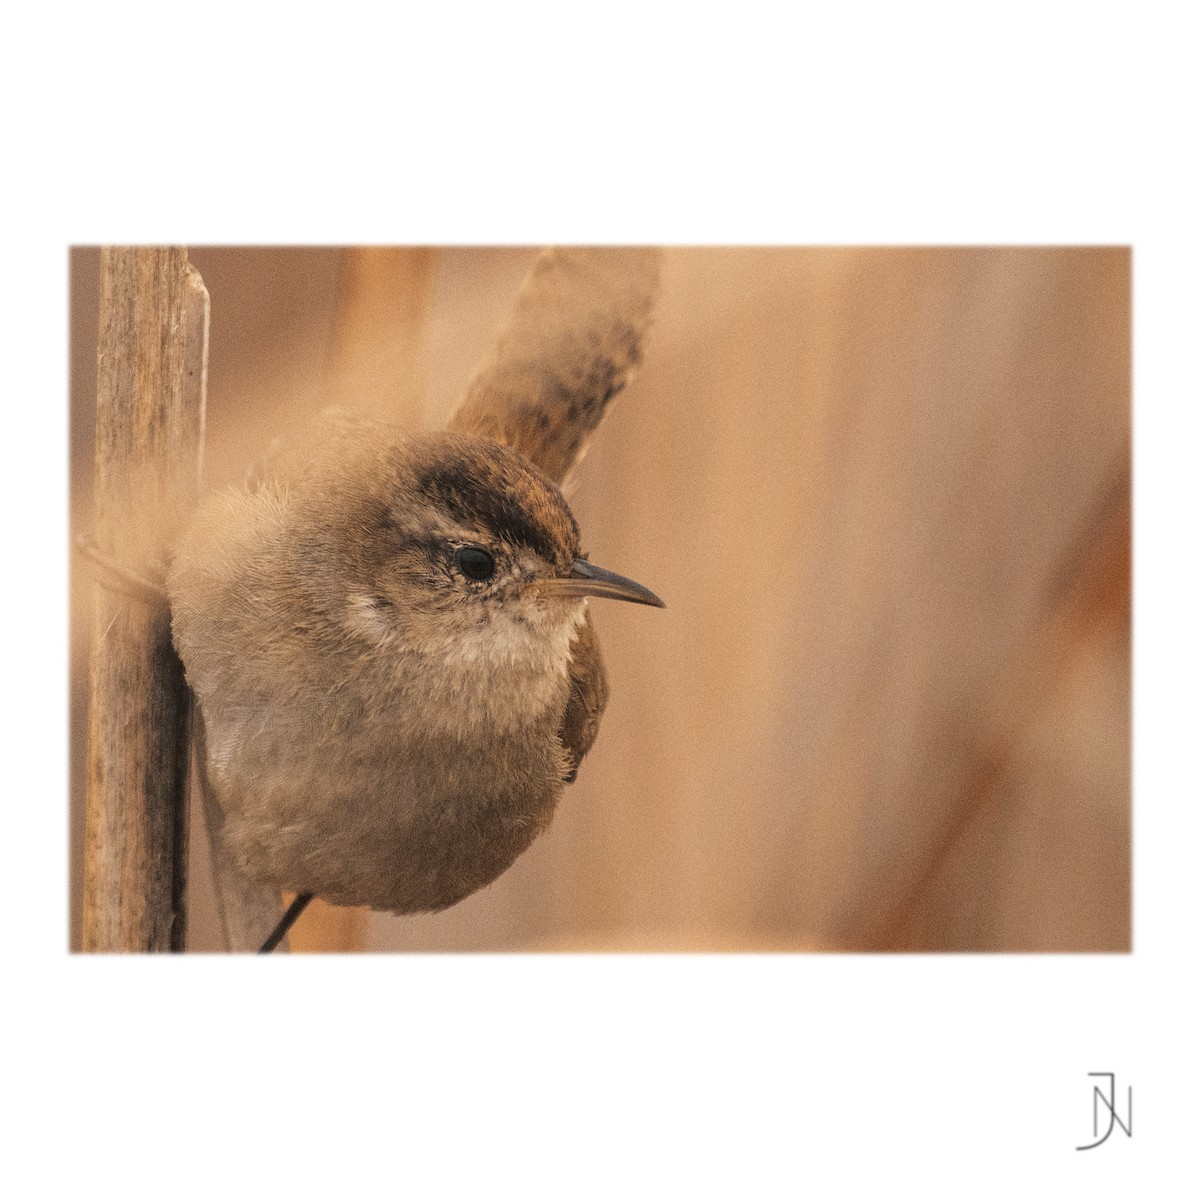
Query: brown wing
{"x": 589, "y": 695}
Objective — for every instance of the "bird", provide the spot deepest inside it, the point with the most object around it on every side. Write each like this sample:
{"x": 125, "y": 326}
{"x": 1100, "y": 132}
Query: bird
{"x": 387, "y": 634}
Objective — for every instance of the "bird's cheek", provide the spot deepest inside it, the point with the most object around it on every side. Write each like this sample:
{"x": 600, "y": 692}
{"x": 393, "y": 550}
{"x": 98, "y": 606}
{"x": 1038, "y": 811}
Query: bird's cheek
{"x": 369, "y": 616}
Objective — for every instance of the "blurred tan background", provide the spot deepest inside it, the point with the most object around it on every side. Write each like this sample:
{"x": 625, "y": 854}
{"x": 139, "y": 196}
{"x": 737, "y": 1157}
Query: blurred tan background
{"x": 885, "y": 494}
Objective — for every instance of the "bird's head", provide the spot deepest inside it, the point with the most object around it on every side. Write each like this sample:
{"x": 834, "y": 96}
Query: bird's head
{"x": 473, "y": 557}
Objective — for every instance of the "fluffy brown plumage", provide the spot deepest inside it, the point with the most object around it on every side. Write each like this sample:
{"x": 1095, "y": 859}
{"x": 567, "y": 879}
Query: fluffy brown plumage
{"x": 387, "y": 634}
{"x": 382, "y": 728}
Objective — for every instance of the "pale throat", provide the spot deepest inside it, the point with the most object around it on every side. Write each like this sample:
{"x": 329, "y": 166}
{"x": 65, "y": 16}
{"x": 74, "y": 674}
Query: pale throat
{"x": 501, "y": 674}
{"x": 516, "y": 667}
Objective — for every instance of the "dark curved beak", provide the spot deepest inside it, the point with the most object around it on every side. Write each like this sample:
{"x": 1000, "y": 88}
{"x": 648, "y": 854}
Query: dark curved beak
{"x": 588, "y": 580}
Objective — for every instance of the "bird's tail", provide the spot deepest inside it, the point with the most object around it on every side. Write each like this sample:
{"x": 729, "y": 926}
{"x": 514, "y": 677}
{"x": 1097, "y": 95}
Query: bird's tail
{"x": 571, "y": 342}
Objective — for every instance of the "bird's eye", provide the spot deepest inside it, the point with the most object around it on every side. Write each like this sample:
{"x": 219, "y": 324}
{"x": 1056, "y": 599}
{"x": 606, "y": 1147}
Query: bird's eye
{"x": 475, "y": 563}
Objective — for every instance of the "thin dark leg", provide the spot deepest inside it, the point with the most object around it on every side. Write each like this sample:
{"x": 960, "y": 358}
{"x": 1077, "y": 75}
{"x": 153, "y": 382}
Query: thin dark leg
{"x": 288, "y": 919}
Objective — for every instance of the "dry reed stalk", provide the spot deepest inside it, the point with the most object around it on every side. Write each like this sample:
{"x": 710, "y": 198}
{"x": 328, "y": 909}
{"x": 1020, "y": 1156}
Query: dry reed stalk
{"x": 153, "y": 349}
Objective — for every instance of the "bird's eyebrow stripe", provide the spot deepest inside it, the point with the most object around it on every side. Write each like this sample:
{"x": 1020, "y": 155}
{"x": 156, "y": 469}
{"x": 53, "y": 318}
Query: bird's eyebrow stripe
{"x": 473, "y": 501}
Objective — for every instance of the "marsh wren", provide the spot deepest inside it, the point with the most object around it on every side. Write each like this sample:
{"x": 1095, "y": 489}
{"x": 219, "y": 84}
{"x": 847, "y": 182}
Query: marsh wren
{"x": 387, "y": 634}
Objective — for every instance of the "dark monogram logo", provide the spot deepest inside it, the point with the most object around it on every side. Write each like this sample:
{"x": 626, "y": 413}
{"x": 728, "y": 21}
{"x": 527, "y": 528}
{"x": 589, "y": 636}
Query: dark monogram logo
{"x": 1109, "y": 1101}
